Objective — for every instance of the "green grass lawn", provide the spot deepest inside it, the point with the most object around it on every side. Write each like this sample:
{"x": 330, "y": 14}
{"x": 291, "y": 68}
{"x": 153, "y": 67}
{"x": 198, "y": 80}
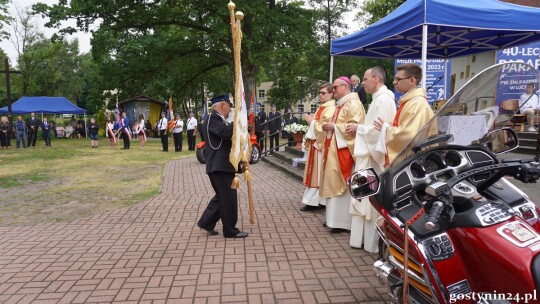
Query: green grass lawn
{"x": 71, "y": 180}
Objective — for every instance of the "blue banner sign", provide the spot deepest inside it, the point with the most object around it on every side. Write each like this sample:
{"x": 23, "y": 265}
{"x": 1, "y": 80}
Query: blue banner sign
{"x": 515, "y": 87}
{"x": 435, "y": 78}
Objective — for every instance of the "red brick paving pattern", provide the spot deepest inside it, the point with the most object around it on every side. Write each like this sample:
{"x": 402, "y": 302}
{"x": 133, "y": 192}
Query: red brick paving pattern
{"x": 152, "y": 252}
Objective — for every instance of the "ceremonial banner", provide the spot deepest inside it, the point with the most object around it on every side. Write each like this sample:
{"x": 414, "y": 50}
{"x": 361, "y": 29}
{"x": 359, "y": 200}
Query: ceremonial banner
{"x": 251, "y": 119}
{"x": 241, "y": 146}
{"x": 170, "y": 116}
{"x": 240, "y": 142}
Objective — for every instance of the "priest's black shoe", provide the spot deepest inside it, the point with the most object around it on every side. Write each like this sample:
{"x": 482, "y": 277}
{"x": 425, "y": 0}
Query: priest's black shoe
{"x": 308, "y": 208}
{"x": 209, "y": 231}
{"x": 240, "y": 234}
{"x": 337, "y": 230}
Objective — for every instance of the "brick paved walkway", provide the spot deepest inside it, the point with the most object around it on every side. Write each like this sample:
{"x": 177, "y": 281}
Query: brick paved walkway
{"x": 153, "y": 252}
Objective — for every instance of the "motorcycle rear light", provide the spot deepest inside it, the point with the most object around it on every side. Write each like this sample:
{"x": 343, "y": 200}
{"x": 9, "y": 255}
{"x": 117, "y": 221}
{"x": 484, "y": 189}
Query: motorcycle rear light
{"x": 526, "y": 212}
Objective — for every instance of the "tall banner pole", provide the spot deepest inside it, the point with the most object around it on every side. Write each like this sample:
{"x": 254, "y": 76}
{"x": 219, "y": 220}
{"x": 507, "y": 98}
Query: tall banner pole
{"x": 241, "y": 145}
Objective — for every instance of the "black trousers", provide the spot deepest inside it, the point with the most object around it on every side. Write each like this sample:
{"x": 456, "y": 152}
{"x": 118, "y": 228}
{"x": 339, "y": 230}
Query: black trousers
{"x": 177, "y": 141}
{"x": 164, "y": 140}
{"x": 260, "y": 135}
{"x": 290, "y": 142}
{"x": 125, "y": 138}
{"x": 47, "y": 138}
{"x": 224, "y": 205}
{"x": 32, "y": 135}
{"x": 191, "y": 140}
{"x": 274, "y": 137}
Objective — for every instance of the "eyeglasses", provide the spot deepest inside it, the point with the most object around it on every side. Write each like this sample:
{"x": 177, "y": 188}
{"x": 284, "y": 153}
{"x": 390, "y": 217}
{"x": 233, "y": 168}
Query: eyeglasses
{"x": 323, "y": 93}
{"x": 400, "y": 79}
{"x": 337, "y": 86}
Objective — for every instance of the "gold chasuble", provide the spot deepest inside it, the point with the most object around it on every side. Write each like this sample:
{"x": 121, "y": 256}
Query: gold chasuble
{"x": 313, "y": 146}
{"x": 338, "y": 160}
{"x": 412, "y": 115}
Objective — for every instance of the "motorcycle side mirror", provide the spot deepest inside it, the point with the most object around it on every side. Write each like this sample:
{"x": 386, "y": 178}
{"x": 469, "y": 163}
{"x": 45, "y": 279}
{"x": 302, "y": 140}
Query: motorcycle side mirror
{"x": 363, "y": 183}
{"x": 500, "y": 141}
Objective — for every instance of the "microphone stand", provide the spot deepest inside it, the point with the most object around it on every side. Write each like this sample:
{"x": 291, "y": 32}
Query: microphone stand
{"x": 433, "y": 84}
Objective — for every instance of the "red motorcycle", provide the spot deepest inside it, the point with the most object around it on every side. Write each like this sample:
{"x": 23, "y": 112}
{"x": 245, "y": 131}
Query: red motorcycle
{"x": 467, "y": 234}
{"x": 253, "y": 159}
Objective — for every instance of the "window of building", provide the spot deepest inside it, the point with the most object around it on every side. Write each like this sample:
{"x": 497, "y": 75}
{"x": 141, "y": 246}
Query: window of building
{"x": 300, "y": 108}
{"x": 262, "y": 94}
{"x": 313, "y": 108}
{"x": 467, "y": 71}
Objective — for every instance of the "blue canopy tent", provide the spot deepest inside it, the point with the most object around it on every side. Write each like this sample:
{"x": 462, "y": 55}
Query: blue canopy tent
{"x": 44, "y": 105}
{"x": 442, "y": 29}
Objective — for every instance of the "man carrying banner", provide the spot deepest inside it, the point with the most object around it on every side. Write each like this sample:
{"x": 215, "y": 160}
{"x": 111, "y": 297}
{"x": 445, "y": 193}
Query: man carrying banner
{"x": 218, "y": 133}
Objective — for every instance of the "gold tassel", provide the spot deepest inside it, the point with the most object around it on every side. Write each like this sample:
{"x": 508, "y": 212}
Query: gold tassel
{"x": 235, "y": 182}
{"x": 247, "y": 175}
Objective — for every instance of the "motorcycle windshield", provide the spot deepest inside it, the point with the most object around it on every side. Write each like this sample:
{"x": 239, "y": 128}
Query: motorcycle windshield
{"x": 486, "y": 103}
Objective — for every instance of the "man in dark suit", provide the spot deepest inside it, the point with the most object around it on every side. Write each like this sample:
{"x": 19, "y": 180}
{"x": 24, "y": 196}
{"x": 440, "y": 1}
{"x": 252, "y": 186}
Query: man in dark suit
{"x": 124, "y": 125}
{"x": 260, "y": 119}
{"x": 224, "y": 205}
{"x": 289, "y": 120}
{"x": 32, "y": 126}
{"x": 274, "y": 126}
{"x": 46, "y": 131}
{"x": 358, "y": 88}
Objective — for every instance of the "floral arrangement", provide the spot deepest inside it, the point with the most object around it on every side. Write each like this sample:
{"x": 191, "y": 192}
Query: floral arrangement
{"x": 295, "y": 128}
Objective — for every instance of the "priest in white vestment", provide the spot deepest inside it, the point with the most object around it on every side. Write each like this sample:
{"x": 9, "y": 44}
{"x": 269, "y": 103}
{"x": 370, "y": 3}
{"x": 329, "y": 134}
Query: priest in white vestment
{"x": 383, "y": 105}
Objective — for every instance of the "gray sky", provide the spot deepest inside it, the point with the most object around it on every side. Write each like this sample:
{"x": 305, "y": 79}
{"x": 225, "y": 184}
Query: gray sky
{"x": 8, "y": 46}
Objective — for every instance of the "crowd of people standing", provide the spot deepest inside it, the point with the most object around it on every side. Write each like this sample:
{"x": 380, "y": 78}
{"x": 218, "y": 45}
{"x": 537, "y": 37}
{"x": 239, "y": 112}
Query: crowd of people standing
{"x": 117, "y": 127}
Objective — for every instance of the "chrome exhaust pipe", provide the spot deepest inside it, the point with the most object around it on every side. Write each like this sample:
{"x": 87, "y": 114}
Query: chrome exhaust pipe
{"x": 382, "y": 271}
{"x": 385, "y": 271}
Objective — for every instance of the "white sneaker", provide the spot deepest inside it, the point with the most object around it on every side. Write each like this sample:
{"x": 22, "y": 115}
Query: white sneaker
{"x": 531, "y": 129}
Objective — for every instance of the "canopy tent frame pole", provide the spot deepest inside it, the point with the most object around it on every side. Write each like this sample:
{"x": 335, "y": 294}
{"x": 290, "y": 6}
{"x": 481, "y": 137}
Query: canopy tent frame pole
{"x": 331, "y": 68}
{"x": 424, "y": 54}
{"x": 445, "y": 79}
{"x": 85, "y": 124}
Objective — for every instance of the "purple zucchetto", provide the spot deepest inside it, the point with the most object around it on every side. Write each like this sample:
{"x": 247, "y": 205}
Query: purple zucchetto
{"x": 346, "y": 79}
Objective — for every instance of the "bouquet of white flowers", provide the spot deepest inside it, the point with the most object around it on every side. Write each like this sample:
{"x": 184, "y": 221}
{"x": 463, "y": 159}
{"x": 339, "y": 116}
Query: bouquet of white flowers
{"x": 295, "y": 128}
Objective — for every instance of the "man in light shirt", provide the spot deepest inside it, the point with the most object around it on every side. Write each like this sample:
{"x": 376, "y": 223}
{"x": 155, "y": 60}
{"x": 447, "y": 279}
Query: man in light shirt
{"x": 177, "y": 133}
{"x": 191, "y": 126}
{"x": 528, "y": 103}
{"x": 162, "y": 126}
